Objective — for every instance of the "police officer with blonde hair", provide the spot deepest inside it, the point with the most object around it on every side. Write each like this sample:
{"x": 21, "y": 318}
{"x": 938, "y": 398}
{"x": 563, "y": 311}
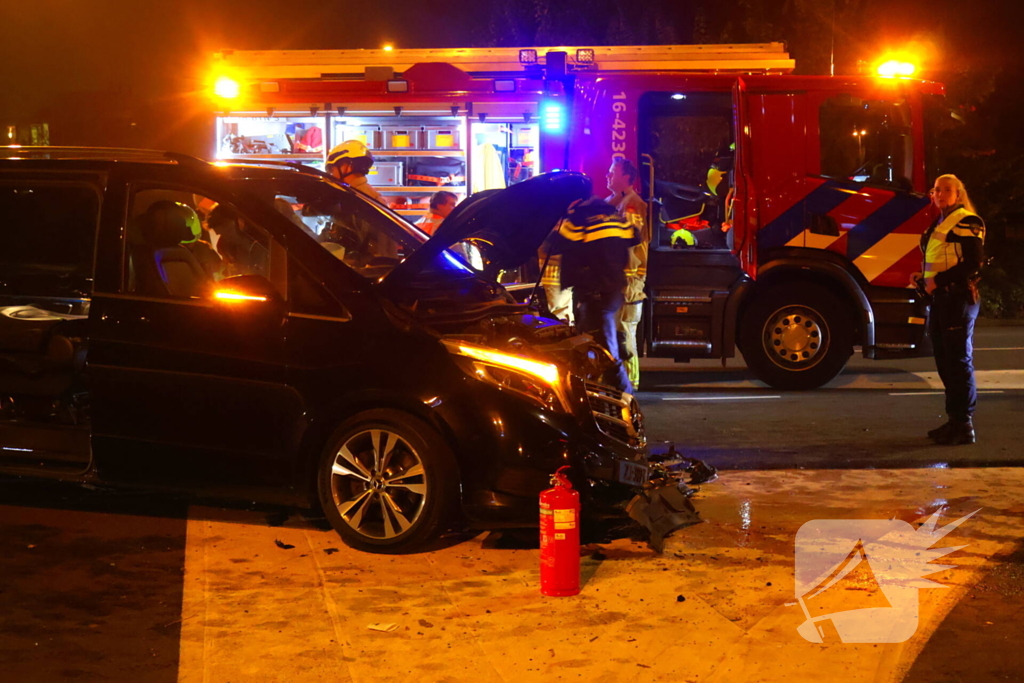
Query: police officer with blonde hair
{"x": 953, "y": 256}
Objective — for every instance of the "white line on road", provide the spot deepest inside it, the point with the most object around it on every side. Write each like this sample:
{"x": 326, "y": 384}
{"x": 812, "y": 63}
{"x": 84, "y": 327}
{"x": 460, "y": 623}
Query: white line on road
{"x": 940, "y": 393}
{"x": 717, "y": 398}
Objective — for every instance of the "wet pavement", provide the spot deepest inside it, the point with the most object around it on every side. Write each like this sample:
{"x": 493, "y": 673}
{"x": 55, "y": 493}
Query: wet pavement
{"x": 104, "y": 586}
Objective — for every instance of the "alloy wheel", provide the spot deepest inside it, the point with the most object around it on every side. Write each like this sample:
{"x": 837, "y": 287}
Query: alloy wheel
{"x": 378, "y": 484}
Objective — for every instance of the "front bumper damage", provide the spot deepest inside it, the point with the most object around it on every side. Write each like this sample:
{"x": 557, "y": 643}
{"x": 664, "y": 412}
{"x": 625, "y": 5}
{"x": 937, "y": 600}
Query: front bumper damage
{"x": 663, "y": 506}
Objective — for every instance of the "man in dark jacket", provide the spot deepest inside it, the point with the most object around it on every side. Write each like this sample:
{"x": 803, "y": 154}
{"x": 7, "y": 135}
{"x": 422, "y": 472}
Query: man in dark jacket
{"x": 594, "y": 241}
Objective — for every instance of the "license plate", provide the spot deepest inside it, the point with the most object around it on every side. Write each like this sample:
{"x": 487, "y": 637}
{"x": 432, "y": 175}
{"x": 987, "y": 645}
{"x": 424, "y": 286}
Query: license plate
{"x": 631, "y": 473}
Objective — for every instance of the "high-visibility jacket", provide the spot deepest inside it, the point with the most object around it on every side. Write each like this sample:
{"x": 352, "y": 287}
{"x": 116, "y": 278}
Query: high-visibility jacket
{"x": 634, "y": 209}
{"x": 594, "y": 242}
{"x": 954, "y": 247}
{"x": 361, "y": 184}
{"x": 552, "y": 265}
{"x": 430, "y": 222}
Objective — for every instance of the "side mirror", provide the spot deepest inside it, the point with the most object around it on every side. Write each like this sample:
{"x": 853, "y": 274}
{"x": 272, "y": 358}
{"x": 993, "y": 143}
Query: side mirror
{"x": 244, "y": 290}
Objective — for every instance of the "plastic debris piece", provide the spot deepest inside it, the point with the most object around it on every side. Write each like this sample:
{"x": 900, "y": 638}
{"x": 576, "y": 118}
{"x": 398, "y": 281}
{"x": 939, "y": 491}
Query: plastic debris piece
{"x": 662, "y": 510}
{"x": 330, "y": 551}
{"x": 384, "y": 628}
{"x": 282, "y": 545}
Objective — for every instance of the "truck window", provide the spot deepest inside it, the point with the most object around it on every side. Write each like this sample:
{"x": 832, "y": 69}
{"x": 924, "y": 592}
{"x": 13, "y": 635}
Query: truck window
{"x": 47, "y": 239}
{"x": 866, "y": 141}
{"x": 689, "y": 137}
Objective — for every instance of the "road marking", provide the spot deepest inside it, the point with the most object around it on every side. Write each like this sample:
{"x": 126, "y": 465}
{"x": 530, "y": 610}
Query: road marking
{"x": 717, "y": 398}
{"x": 1002, "y": 348}
{"x": 940, "y": 393}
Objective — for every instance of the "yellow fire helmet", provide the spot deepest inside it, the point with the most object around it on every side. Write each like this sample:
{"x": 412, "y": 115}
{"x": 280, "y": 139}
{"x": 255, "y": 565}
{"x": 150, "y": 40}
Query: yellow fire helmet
{"x": 350, "y": 149}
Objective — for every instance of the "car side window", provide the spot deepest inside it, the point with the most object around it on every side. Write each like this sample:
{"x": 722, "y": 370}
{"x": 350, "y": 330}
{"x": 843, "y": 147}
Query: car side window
{"x": 47, "y": 241}
{"x": 180, "y": 242}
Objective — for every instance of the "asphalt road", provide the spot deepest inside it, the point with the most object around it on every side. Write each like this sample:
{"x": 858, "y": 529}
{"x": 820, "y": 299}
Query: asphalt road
{"x": 874, "y": 415}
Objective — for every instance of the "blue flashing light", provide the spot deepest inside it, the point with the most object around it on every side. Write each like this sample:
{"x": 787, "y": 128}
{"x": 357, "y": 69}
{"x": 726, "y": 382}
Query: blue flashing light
{"x": 552, "y": 117}
{"x": 459, "y": 265}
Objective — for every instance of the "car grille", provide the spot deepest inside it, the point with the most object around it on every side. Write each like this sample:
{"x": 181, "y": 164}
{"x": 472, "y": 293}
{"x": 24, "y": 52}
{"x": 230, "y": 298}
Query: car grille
{"x": 617, "y": 414}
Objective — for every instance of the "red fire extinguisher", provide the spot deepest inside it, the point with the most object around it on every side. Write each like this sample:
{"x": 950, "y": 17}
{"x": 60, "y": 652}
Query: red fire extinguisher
{"x": 560, "y": 538}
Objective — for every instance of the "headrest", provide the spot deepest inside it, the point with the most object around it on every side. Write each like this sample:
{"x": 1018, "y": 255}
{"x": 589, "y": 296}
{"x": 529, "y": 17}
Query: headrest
{"x": 165, "y": 224}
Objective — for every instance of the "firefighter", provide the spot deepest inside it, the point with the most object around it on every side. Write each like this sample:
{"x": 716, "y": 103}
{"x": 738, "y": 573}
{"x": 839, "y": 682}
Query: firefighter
{"x": 559, "y": 299}
{"x": 621, "y": 177}
{"x": 349, "y": 162}
{"x": 442, "y": 203}
{"x": 953, "y": 255}
{"x": 595, "y": 244}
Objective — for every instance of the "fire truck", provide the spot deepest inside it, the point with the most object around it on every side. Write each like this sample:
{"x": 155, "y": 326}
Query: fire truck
{"x": 785, "y": 211}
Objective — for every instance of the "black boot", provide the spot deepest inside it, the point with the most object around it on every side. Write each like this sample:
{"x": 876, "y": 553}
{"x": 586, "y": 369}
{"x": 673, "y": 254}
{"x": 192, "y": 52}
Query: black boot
{"x": 940, "y": 432}
{"x": 959, "y": 433}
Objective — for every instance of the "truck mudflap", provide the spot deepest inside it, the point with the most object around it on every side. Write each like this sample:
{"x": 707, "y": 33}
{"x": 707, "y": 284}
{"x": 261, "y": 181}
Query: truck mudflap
{"x": 664, "y": 505}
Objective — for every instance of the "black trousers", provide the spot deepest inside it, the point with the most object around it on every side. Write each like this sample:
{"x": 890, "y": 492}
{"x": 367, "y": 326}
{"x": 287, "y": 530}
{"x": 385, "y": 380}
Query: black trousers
{"x": 951, "y": 326}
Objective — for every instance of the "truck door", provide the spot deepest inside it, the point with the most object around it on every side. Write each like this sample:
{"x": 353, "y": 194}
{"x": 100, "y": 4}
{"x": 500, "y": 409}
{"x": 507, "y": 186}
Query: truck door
{"x": 688, "y": 148}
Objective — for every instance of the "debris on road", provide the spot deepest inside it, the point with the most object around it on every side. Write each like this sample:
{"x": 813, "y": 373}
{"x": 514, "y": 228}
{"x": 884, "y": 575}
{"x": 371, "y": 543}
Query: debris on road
{"x": 662, "y": 509}
{"x": 383, "y": 628}
{"x": 330, "y": 551}
{"x": 282, "y": 545}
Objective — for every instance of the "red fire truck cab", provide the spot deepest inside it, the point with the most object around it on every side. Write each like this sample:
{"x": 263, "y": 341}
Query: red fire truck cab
{"x": 785, "y": 211}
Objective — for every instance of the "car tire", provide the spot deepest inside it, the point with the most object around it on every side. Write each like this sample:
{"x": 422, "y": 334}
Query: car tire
{"x": 388, "y": 482}
{"x": 796, "y": 336}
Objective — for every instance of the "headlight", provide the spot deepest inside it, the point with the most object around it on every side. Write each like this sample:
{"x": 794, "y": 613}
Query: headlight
{"x": 542, "y": 383}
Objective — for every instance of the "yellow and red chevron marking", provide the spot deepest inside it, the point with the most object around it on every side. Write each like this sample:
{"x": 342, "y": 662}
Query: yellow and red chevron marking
{"x": 879, "y": 230}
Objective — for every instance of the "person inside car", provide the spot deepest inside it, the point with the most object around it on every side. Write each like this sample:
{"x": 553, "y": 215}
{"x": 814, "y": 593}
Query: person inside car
{"x": 242, "y": 254}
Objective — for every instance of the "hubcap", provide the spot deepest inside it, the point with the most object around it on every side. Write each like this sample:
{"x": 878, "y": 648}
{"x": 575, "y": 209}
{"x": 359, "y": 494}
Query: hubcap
{"x": 796, "y": 337}
{"x": 379, "y": 484}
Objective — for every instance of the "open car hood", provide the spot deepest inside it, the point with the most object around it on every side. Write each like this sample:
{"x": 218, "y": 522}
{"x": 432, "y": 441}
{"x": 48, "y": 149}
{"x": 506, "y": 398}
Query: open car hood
{"x": 514, "y": 221}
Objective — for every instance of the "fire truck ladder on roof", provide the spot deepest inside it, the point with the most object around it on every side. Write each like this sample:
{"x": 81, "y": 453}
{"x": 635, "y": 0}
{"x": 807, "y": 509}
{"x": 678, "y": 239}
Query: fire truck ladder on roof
{"x": 317, "y": 64}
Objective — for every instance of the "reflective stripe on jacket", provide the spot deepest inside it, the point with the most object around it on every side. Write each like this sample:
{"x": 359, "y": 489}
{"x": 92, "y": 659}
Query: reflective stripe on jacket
{"x": 595, "y": 243}
{"x": 943, "y": 244}
{"x": 634, "y": 209}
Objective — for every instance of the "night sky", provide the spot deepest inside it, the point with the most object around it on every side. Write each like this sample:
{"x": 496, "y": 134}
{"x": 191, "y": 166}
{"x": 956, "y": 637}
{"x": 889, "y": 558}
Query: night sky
{"x": 115, "y": 63}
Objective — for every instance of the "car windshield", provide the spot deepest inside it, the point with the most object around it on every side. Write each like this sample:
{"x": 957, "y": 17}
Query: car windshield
{"x": 366, "y": 236}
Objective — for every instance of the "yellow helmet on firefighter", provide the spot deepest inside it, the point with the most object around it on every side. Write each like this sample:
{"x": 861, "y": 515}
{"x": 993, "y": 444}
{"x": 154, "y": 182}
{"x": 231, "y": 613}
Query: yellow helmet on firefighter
{"x": 350, "y": 149}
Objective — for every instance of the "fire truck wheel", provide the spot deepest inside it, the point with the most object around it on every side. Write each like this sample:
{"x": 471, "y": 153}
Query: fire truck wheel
{"x": 388, "y": 482}
{"x": 796, "y": 336}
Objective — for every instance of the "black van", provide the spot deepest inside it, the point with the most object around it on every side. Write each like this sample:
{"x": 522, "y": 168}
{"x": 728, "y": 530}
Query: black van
{"x": 320, "y": 352}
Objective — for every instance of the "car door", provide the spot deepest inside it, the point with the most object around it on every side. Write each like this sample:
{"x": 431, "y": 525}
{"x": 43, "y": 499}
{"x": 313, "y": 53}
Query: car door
{"x": 48, "y": 229}
{"x": 189, "y": 387}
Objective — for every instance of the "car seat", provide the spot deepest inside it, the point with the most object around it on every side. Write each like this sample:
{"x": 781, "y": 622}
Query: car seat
{"x": 41, "y": 352}
{"x": 162, "y": 266}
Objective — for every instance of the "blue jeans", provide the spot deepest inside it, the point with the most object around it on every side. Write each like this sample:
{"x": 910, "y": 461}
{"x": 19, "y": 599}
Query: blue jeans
{"x": 951, "y": 327}
{"x": 597, "y": 313}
